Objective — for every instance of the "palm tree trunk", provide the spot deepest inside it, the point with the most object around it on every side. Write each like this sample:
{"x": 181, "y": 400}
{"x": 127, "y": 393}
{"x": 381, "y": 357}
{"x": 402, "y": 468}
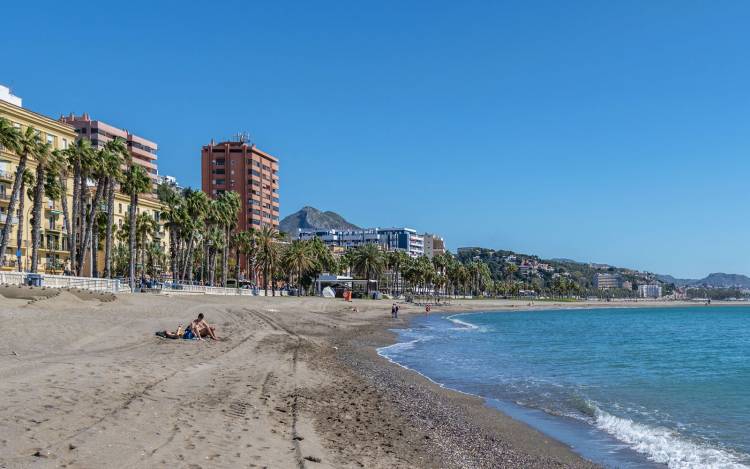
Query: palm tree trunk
{"x": 265, "y": 277}
{"x": 173, "y": 253}
{"x": 64, "y": 205}
{"x": 131, "y": 248}
{"x": 73, "y": 233}
{"x": 211, "y": 265}
{"x": 110, "y": 221}
{"x": 19, "y": 233}
{"x": 17, "y": 182}
{"x": 188, "y": 254}
{"x": 225, "y": 258}
{"x": 204, "y": 263}
{"x": 35, "y": 232}
{"x": 190, "y": 262}
{"x": 82, "y": 196}
{"x": 237, "y": 265}
{"x": 94, "y": 250}
{"x": 90, "y": 224}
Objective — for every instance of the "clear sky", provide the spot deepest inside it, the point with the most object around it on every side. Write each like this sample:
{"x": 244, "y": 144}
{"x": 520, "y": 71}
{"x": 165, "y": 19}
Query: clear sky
{"x": 600, "y": 131}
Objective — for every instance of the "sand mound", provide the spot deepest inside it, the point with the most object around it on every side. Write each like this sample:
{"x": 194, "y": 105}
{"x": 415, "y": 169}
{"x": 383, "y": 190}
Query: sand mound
{"x": 22, "y": 292}
{"x": 89, "y": 295}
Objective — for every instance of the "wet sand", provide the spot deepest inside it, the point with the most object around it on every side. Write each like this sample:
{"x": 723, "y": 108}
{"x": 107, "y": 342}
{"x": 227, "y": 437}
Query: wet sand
{"x": 294, "y": 382}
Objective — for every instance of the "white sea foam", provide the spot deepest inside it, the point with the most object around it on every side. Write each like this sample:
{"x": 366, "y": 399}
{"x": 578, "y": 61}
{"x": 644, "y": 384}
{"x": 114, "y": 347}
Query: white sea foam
{"x": 463, "y": 324}
{"x": 665, "y": 446}
{"x": 401, "y": 346}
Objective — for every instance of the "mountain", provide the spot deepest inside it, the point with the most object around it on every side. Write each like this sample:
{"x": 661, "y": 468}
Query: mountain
{"x": 715, "y": 280}
{"x": 312, "y": 218}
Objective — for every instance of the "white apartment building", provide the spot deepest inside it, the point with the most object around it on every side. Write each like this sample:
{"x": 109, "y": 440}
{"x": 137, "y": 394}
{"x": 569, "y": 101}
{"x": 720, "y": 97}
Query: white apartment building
{"x": 391, "y": 239}
{"x": 649, "y": 291}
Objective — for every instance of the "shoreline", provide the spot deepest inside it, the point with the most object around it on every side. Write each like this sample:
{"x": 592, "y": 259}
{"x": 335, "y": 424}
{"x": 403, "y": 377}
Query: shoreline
{"x": 567, "y": 432}
{"x": 470, "y": 432}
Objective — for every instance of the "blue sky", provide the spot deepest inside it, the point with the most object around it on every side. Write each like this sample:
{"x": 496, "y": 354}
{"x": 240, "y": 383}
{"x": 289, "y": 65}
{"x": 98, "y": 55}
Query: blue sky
{"x": 600, "y": 131}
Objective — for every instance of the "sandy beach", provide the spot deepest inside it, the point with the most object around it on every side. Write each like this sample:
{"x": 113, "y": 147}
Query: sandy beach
{"x": 294, "y": 382}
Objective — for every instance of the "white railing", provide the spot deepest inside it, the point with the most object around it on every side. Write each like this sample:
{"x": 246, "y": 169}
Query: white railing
{"x": 12, "y": 278}
{"x": 64, "y": 281}
{"x": 206, "y": 290}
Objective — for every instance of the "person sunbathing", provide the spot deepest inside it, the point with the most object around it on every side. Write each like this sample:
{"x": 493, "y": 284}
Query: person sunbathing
{"x": 200, "y": 328}
{"x": 177, "y": 334}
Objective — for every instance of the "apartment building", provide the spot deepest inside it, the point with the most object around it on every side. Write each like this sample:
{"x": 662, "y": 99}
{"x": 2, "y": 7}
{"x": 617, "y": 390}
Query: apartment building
{"x": 649, "y": 291}
{"x": 390, "y": 239}
{"x": 241, "y": 167}
{"x": 607, "y": 281}
{"x": 142, "y": 151}
{"x": 433, "y": 245}
{"x": 53, "y": 252}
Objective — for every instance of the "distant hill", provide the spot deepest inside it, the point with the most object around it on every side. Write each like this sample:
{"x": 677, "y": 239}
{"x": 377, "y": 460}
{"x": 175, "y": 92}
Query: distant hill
{"x": 312, "y": 218}
{"x": 715, "y": 280}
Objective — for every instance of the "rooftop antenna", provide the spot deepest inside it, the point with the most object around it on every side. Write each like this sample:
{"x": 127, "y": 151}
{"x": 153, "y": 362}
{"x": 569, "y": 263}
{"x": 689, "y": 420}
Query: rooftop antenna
{"x": 242, "y": 137}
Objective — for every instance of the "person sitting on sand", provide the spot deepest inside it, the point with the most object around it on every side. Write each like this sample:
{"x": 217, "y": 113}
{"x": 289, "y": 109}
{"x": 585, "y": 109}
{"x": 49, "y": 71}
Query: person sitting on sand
{"x": 200, "y": 328}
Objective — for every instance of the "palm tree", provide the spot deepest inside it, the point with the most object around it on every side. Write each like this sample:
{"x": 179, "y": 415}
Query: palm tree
{"x": 172, "y": 201}
{"x": 135, "y": 183}
{"x": 97, "y": 168}
{"x": 26, "y": 183}
{"x": 229, "y": 205}
{"x": 368, "y": 261}
{"x": 145, "y": 228}
{"x": 299, "y": 258}
{"x": 243, "y": 243}
{"x": 9, "y": 135}
{"x": 192, "y": 222}
{"x": 25, "y": 146}
{"x": 75, "y": 155}
{"x": 213, "y": 239}
{"x": 112, "y": 169}
{"x": 43, "y": 156}
{"x": 268, "y": 252}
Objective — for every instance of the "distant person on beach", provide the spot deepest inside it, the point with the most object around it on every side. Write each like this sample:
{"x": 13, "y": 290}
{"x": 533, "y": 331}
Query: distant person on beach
{"x": 393, "y": 311}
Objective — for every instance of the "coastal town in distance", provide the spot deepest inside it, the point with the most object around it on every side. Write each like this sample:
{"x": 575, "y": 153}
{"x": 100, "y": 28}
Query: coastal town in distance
{"x": 388, "y": 236}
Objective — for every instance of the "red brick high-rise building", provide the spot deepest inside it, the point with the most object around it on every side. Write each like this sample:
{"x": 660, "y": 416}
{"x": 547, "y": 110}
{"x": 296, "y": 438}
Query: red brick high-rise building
{"x": 241, "y": 167}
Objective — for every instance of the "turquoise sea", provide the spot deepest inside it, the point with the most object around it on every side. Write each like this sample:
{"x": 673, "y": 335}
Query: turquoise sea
{"x": 625, "y": 387}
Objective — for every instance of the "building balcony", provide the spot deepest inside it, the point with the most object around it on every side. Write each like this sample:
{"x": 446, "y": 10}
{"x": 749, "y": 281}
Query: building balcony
{"x": 138, "y": 152}
{"x": 6, "y": 175}
{"x": 53, "y": 210}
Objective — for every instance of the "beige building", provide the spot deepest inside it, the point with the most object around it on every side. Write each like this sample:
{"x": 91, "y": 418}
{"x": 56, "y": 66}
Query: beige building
{"x": 433, "y": 245}
{"x": 54, "y": 253}
{"x": 54, "y": 250}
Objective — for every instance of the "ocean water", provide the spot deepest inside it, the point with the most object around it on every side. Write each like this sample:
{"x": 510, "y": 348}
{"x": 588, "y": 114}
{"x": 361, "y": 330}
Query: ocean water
{"x": 625, "y": 387}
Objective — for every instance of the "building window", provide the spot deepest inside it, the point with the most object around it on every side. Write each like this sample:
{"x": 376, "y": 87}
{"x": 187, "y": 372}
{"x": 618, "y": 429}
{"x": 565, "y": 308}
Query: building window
{"x": 217, "y": 171}
{"x": 219, "y": 182}
{"x": 220, "y": 162}
{"x": 119, "y": 208}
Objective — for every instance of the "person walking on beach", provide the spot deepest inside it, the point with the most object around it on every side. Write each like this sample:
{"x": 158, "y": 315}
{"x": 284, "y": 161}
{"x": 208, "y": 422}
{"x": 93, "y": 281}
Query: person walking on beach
{"x": 393, "y": 311}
